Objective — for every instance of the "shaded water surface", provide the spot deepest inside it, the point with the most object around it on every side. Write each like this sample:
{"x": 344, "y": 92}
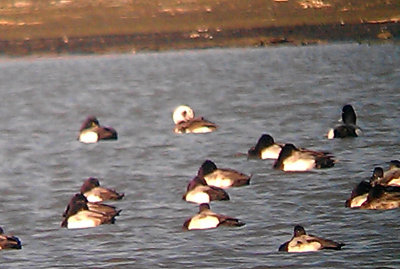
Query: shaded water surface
{"x": 293, "y": 93}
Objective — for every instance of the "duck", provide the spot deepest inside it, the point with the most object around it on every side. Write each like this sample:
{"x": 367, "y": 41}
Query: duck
{"x": 79, "y": 216}
{"x": 349, "y": 127}
{"x": 92, "y": 132}
{"x": 295, "y": 159}
{"x": 199, "y": 192}
{"x": 360, "y": 192}
{"x": 94, "y": 193}
{"x": 392, "y": 175}
{"x": 9, "y": 241}
{"x": 79, "y": 198}
{"x": 266, "y": 148}
{"x": 207, "y": 219}
{"x": 223, "y": 177}
{"x": 302, "y": 242}
{"x": 185, "y": 122}
{"x": 382, "y": 198}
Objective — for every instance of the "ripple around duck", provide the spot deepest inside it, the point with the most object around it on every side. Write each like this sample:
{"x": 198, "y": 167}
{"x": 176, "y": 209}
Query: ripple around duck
{"x": 246, "y": 92}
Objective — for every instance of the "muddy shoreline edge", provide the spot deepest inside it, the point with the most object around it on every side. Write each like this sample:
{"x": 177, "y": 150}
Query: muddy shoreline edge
{"x": 254, "y": 37}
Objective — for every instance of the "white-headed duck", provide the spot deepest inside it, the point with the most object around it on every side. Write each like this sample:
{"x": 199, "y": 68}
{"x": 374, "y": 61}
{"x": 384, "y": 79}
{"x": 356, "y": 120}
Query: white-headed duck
{"x": 185, "y": 122}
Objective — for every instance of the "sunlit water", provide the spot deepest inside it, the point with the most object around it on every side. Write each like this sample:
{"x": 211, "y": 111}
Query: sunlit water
{"x": 293, "y": 93}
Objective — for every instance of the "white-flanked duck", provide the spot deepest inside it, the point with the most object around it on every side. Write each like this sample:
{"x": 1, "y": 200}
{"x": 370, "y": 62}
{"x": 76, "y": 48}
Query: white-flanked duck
{"x": 79, "y": 216}
{"x": 9, "y": 241}
{"x": 206, "y": 219}
{"x": 302, "y": 242}
{"x": 266, "y": 148}
{"x": 223, "y": 177}
{"x": 199, "y": 192}
{"x": 348, "y": 128}
{"x": 185, "y": 122}
{"x": 79, "y": 198}
{"x": 91, "y": 131}
{"x": 93, "y": 192}
{"x": 295, "y": 159}
{"x": 360, "y": 192}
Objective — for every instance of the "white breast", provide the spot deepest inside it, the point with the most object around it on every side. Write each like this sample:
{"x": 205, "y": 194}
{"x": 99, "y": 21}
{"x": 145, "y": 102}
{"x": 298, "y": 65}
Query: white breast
{"x": 271, "y": 152}
{"x": 81, "y": 220}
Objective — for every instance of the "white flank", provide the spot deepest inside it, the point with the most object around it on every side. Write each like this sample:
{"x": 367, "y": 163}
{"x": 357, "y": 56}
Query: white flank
{"x": 93, "y": 198}
{"x": 272, "y": 152}
{"x": 299, "y": 165}
{"x": 200, "y": 130}
{"x": 81, "y": 221}
{"x": 358, "y": 200}
{"x": 218, "y": 181}
{"x": 203, "y": 222}
{"x": 197, "y": 197}
{"x": 88, "y": 137}
{"x": 330, "y": 134}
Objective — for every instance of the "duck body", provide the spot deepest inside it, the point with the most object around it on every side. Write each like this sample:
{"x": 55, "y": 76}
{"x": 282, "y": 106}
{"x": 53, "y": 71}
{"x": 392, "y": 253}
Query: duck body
{"x": 206, "y": 219}
{"x": 266, "y": 148}
{"x": 223, "y": 177}
{"x": 94, "y": 193}
{"x": 294, "y": 159}
{"x": 185, "y": 122}
{"x": 348, "y": 128}
{"x": 302, "y": 242}
{"x": 199, "y": 192}
{"x": 78, "y": 215}
{"x": 91, "y": 131}
{"x": 9, "y": 241}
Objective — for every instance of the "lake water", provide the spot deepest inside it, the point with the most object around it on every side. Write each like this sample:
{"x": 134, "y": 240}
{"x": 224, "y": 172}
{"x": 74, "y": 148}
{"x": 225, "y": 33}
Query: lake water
{"x": 293, "y": 93}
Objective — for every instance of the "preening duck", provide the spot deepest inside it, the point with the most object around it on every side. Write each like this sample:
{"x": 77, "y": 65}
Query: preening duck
{"x": 266, "y": 148}
{"x": 91, "y": 131}
{"x": 185, "y": 122}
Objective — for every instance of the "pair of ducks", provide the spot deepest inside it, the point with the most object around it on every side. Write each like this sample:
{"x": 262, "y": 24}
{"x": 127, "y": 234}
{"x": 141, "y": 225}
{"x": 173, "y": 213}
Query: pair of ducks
{"x": 85, "y": 209}
{"x": 185, "y": 122}
{"x": 382, "y": 191}
{"x": 288, "y": 157}
{"x": 209, "y": 185}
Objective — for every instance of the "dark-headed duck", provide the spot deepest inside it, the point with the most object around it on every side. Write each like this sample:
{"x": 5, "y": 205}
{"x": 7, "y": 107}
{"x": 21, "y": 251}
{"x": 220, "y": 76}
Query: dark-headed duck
{"x": 302, "y": 242}
{"x": 360, "y": 192}
{"x": 185, "y": 122}
{"x": 79, "y": 216}
{"x": 223, "y": 177}
{"x": 206, "y": 219}
{"x": 348, "y": 128}
{"x": 9, "y": 241}
{"x": 79, "y": 198}
{"x": 93, "y": 192}
{"x": 199, "y": 192}
{"x": 91, "y": 131}
{"x": 294, "y": 159}
{"x": 266, "y": 148}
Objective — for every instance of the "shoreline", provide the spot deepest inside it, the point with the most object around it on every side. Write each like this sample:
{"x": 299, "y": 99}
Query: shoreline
{"x": 206, "y": 38}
